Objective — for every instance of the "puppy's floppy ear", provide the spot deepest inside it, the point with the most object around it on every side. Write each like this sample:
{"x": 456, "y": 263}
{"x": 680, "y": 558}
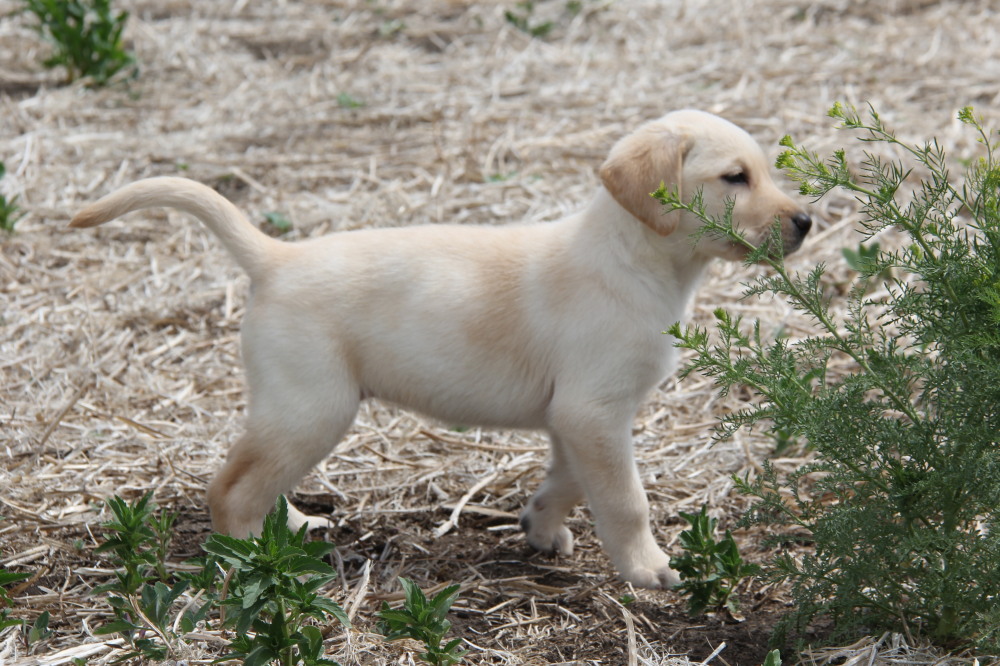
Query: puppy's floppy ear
{"x": 637, "y": 165}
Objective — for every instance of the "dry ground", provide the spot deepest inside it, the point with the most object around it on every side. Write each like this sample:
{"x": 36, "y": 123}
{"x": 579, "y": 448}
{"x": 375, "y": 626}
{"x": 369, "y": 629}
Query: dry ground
{"x": 119, "y": 364}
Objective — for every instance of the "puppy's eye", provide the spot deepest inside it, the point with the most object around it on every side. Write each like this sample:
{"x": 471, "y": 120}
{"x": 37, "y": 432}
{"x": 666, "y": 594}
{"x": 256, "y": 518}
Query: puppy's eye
{"x": 736, "y": 178}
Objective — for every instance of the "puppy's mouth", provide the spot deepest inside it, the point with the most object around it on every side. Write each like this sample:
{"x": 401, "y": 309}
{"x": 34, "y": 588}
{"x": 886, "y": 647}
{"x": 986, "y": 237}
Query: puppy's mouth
{"x": 791, "y": 245}
{"x": 778, "y": 240}
{"x": 792, "y": 234}
{"x": 775, "y": 246}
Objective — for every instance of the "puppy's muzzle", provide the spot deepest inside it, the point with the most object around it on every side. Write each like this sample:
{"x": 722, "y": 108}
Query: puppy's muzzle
{"x": 802, "y": 223}
{"x": 796, "y": 232}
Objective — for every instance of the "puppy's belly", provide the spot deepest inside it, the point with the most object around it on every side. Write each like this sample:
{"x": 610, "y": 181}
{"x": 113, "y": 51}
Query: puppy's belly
{"x": 464, "y": 391}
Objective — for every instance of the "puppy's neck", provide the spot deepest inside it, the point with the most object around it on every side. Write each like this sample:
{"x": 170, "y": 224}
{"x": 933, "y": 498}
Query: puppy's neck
{"x": 670, "y": 261}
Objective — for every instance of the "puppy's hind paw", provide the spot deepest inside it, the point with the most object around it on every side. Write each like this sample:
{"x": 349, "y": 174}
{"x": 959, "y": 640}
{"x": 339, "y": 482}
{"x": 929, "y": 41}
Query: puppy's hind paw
{"x": 558, "y": 541}
{"x": 296, "y": 519}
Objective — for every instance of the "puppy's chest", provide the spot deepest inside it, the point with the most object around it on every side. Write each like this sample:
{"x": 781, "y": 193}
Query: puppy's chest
{"x": 641, "y": 360}
{"x": 660, "y": 361}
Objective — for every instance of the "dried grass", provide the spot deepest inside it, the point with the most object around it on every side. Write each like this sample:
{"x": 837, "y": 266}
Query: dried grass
{"x": 119, "y": 361}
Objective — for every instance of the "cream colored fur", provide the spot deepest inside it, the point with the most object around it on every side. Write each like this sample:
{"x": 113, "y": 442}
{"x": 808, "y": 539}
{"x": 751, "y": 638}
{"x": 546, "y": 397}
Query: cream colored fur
{"x": 554, "y": 326}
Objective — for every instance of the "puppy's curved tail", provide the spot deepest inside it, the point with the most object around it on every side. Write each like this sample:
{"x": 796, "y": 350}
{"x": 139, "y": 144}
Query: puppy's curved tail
{"x": 251, "y": 248}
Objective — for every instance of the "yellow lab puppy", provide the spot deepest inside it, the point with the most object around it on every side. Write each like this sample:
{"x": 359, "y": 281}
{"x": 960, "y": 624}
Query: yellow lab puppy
{"x": 555, "y": 326}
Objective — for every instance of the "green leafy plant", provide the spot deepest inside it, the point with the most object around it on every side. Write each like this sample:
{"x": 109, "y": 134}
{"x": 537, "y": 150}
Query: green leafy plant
{"x": 144, "y": 619}
{"x": 773, "y": 658}
{"x": 520, "y": 18}
{"x": 274, "y": 593}
{"x": 391, "y": 27}
{"x": 710, "y": 570}
{"x": 86, "y": 36}
{"x": 6, "y": 578}
{"x": 784, "y": 442}
{"x": 133, "y": 543}
{"x": 10, "y": 212}
{"x": 203, "y": 574}
{"x": 901, "y": 500}
{"x": 162, "y": 524}
{"x": 863, "y": 258}
{"x": 140, "y": 596}
{"x": 346, "y": 100}
{"x": 271, "y": 594}
{"x": 424, "y": 621}
{"x": 39, "y": 630}
{"x": 278, "y": 222}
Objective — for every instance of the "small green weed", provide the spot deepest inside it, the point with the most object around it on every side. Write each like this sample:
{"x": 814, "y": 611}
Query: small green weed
{"x": 785, "y": 441}
{"x": 278, "y": 222}
{"x": 274, "y": 593}
{"x": 144, "y": 619}
{"x": 423, "y": 621}
{"x": 864, "y": 260}
{"x": 348, "y": 101}
{"x": 773, "y": 658}
{"x": 137, "y": 548}
{"x": 86, "y": 36}
{"x": 501, "y": 177}
{"x": 39, "y": 630}
{"x": 10, "y": 212}
{"x": 272, "y": 588}
{"x": 391, "y": 27}
{"x": 710, "y": 570}
{"x": 6, "y": 578}
{"x": 521, "y": 19}
{"x": 139, "y": 596}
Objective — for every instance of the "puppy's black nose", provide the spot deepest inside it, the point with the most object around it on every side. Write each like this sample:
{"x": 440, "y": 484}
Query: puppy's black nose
{"x": 802, "y": 222}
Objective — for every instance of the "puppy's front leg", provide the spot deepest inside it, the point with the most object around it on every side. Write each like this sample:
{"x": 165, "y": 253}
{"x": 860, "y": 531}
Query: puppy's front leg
{"x": 599, "y": 447}
{"x": 542, "y": 520}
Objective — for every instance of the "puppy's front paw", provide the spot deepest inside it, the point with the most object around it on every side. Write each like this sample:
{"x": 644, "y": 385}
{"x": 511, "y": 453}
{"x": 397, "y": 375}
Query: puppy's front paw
{"x": 655, "y": 579}
{"x": 558, "y": 540}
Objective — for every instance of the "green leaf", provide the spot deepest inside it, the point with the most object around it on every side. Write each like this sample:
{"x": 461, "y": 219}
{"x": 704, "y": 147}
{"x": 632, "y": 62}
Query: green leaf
{"x": 311, "y": 645}
{"x": 773, "y": 658}
{"x": 416, "y": 602}
{"x": 443, "y": 601}
{"x": 8, "y": 577}
{"x": 278, "y": 221}
{"x": 261, "y": 654}
{"x": 4, "y": 623}
{"x": 39, "y": 629}
{"x": 116, "y": 627}
{"x": 234, "y": 551}
{"x": 399, "y": 616}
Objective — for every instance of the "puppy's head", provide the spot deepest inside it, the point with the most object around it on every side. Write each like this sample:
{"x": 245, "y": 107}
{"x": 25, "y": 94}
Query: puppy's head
{"x": 693, "y": 150}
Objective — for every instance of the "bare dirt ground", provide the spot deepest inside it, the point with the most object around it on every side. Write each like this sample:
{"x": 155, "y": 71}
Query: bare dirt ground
{"x": 119, "y": 368}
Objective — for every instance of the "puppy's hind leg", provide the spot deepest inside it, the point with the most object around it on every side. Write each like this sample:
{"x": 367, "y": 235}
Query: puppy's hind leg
{"x": 299, "y": 408}
{"x": 267, "y": 461}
